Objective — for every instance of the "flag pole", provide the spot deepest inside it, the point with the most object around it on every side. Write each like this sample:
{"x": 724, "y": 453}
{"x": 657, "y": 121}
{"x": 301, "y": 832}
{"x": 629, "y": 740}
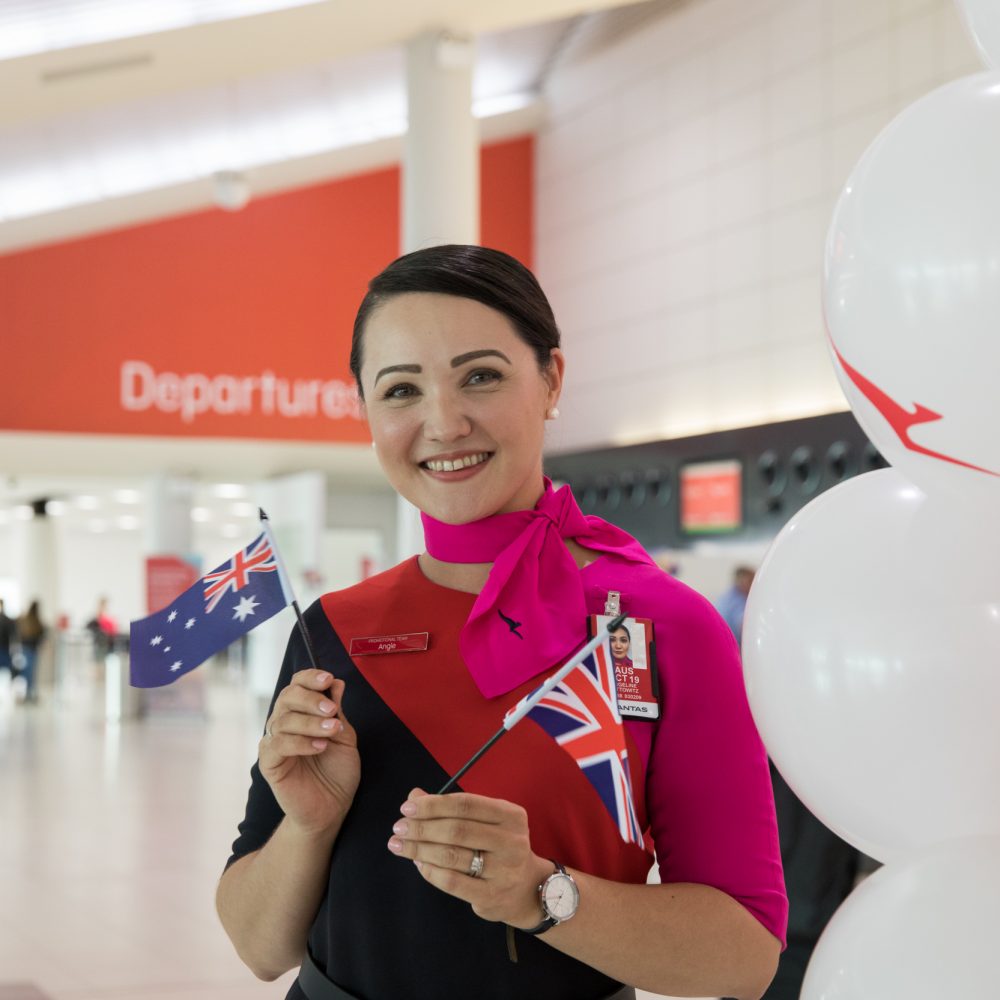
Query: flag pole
{"x": 286, "y": 585}
{"x": 526, "y": 704}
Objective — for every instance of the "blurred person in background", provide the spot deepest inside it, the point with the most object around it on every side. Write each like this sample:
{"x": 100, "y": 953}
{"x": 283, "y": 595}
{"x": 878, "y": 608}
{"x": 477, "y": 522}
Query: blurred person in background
{"x": 732, "y": 604}
{"x": 103, "y": 629}
{"x": 7, "y": 636}
{"x": 30, "y": 635}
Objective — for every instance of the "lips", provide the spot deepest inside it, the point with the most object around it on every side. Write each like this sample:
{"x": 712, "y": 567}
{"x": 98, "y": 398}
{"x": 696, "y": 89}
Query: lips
{"x": 456, "y": 464}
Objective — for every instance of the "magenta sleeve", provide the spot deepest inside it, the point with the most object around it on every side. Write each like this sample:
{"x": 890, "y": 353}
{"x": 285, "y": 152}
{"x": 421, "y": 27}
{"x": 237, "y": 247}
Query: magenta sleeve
{"x": 709, "y": 796}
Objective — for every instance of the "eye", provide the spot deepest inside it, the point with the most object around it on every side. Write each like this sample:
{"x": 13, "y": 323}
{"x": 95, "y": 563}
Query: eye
{"x": 483, "y": 376}
{"x": 400, "y": 391}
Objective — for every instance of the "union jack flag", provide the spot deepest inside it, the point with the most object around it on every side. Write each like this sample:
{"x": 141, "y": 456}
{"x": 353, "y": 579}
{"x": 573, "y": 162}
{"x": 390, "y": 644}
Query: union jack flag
{"x": 257, "y": 557}
{"x": 581, "y": 715}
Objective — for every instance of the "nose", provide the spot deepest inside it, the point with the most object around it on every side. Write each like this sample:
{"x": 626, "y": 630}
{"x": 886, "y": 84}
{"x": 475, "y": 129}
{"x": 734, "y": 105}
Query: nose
{"x": 445, "y": 418}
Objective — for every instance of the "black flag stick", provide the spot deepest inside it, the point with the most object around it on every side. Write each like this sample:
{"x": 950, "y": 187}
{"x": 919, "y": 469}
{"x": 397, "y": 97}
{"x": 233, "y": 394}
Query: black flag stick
{"x": 526, "y": 704}
{"x": 286, "y": 584}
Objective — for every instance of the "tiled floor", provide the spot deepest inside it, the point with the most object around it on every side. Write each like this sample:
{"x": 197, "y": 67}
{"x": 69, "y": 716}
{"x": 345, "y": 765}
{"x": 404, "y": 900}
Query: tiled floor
{"x": 112, "y": 838}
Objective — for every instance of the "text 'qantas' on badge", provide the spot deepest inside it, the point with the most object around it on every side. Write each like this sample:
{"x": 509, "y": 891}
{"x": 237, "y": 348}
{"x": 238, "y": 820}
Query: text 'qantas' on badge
{"x": 405, "y": 642}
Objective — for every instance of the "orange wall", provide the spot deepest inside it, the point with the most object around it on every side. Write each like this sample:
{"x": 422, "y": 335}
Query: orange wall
{"x": 210, "y": 303}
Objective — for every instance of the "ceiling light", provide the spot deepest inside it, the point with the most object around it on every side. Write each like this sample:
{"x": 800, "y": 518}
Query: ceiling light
{"x": 229, "y": 491}
{"x": 22, "y": 512}
{"x": 230, "y": 189}
{"x": 87, "y": 502}
{"x": 127, "y": 496}
{"x": 55, "y": 508}
{"x": 201, "y": 514}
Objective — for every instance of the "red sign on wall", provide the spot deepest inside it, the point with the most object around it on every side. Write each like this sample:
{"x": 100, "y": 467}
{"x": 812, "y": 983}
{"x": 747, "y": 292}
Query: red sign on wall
{"x": 166, "y": 577}
{"x": 711, "y": 497}
{"x": 220, "y": 324}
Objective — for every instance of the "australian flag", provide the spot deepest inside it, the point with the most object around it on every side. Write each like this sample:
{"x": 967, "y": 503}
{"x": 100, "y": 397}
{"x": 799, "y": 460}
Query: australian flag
{"x": 581, "y": 715}
{"x": 223, "y": 605}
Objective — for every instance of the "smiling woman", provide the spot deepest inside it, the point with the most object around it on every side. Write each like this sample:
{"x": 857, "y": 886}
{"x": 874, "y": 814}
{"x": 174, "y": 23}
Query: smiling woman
{"x": 527, "y": 882}
{"x": 456, "y": 403}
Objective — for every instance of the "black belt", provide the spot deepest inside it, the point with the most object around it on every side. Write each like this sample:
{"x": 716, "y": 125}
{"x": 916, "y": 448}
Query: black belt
{"x": 316, "y": 986}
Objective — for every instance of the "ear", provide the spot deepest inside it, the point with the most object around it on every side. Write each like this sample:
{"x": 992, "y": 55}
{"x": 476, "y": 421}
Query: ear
{"x": 553, "y": 375}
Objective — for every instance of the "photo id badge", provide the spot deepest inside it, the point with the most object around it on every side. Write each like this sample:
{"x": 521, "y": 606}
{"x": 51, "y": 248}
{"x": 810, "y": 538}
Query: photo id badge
{"x": 633, "y": 654}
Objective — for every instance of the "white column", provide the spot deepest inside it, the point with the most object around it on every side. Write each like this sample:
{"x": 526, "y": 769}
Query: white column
{"x": 440, "y": 196}
{"x": 37, "y": 572}
{"x": 168, "y": 516}
{"x": 37, "y": 563}
{"x": 167, "y": 532}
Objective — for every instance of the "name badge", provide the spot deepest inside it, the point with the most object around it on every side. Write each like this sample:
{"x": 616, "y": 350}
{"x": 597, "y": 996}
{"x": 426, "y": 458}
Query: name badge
{"x": 633, "y": 656}
{"x": 405, "y": 642}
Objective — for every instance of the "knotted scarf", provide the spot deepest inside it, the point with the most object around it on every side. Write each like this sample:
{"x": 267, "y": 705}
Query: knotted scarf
{"x": 531, "y": 614}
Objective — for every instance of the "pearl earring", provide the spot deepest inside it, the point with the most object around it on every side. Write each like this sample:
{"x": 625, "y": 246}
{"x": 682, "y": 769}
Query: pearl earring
{"x": 553, "y": 413}
{"x": 373, "y": 444}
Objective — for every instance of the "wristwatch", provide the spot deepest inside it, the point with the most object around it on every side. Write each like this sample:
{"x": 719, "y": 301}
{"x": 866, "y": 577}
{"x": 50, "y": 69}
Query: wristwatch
{"x": 559, "y": 897}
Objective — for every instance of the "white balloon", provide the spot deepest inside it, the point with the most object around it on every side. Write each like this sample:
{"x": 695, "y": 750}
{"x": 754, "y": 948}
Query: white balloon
{"x": 921, "y": 930}
{"x": 912, "y": 289}
{"x": 871, "y": 648}
{"x": 982, "y": 21}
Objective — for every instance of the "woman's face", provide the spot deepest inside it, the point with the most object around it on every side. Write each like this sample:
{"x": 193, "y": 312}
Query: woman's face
{"x": 456, "y": 405}
{"x": 620, "y": 643}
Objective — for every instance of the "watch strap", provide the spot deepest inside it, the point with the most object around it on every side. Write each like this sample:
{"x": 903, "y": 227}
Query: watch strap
{"x": 542, "y": 927}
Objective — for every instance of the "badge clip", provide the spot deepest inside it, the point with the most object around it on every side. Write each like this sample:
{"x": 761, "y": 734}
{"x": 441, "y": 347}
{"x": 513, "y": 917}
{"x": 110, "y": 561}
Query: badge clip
{"x": 612, "y": 605}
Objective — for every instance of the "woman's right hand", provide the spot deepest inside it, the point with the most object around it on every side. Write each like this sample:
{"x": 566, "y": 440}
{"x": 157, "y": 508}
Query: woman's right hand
{"x": 309, "y": 752}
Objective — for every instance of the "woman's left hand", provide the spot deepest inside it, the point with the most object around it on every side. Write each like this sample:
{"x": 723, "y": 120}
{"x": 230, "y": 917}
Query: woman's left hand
{"x": 443, "y": 833}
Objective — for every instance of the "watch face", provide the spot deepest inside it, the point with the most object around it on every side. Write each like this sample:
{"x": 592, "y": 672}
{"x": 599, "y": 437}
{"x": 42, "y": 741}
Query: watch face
{"x": 560, "y": 897}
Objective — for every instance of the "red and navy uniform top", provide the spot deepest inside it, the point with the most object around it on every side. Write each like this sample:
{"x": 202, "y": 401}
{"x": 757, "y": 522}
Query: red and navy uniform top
{"x": 700, "y": 782}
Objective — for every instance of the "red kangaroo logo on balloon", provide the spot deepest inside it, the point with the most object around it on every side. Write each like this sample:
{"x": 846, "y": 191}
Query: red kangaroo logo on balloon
{"x": 899, "y": 418}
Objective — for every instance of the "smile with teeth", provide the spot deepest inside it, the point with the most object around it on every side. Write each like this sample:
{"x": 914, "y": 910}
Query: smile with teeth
{"x": 459, "y": 463}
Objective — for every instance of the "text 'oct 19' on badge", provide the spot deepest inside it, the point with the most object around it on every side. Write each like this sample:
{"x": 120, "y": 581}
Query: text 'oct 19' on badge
{"x": 633, "y": 655}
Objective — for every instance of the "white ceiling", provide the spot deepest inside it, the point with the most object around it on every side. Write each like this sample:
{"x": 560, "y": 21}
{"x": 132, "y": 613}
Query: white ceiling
{"x": 293, "y": 96}
{"x": 137, "y": 125}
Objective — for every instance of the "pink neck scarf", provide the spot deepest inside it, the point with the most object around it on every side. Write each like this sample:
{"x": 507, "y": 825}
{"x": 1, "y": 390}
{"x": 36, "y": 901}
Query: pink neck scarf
{"x": 531, "y": 615}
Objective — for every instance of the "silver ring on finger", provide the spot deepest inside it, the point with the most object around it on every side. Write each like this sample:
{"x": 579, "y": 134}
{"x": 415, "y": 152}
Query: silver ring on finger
{"x": 477, "y": 865}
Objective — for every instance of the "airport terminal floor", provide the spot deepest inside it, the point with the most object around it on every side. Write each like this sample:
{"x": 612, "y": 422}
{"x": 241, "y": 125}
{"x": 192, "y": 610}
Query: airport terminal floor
{"x": 112, "y": 838}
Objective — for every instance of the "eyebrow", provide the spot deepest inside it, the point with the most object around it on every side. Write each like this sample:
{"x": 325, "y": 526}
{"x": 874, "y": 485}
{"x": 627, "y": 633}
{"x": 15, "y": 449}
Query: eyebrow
{"x": 458, "y": 360}
{"x": 461, "y": 359}
{"x": 413, "y": 369}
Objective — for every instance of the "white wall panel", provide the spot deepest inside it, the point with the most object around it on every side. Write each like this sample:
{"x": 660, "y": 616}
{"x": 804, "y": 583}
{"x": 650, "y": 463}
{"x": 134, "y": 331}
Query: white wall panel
{"x": 862, "y": 73}
{"x": 685, "y": 182}
{"x": 851, "y": 21}
{"x": 797, "y": 34}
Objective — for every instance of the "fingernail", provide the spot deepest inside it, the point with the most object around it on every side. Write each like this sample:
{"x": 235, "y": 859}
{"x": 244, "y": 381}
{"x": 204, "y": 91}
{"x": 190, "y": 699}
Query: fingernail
{"x": 408, "y": 808}
{"x": 326, "y": 707}
{"x": 395, "y": 845}
{"x": 319, "y": 744}
{"x": 326, "y": 724}
{"x": 322, "y": 678}
{"x": 401, "y": 827}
